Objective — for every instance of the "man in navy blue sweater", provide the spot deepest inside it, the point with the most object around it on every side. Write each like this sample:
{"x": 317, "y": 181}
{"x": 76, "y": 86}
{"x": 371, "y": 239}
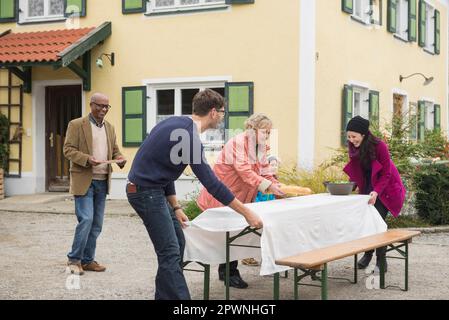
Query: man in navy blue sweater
{"x": 172, "y": 145}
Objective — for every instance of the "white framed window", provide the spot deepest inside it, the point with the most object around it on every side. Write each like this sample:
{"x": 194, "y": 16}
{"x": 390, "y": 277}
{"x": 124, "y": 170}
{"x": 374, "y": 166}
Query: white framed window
{"x": 175, "y": 99}
{"x": 430, "y": 119}
{"x": 402, "y": 20}
{"x": 362, "y": 11}
{"x": 160, "y": 6}
{"x": 430, "y": 28}
{"x": 360, "y": 102}
{"x": 41, "y": 10}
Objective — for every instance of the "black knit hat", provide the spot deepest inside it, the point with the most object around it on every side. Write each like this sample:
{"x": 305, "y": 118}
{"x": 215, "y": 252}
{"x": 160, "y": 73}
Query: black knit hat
{"x": 358, "y": 124}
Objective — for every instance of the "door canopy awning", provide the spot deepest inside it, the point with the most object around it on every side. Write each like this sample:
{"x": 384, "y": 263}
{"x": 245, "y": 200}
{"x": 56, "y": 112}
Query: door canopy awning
{"x": 19, "y": 52}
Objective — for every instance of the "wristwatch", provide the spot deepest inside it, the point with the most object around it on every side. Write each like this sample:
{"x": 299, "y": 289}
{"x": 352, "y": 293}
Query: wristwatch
{"x": 176, "y": 208}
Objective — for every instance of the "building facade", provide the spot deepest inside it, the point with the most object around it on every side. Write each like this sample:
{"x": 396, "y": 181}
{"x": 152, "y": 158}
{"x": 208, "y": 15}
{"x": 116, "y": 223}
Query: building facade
{"x": 308, "y": 65}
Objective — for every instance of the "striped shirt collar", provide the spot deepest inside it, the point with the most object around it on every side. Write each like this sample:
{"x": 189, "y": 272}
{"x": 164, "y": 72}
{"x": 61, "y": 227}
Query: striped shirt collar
{"x": 93, "y": 121}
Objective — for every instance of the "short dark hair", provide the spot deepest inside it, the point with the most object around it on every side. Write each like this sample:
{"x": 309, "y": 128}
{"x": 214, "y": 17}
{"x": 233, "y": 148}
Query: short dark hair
{"x": 206, "y": 100}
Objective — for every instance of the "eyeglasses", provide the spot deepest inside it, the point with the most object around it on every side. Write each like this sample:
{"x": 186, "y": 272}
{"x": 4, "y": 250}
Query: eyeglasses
{"x": 221, "y": 111}
{"x": 102, "y": 106}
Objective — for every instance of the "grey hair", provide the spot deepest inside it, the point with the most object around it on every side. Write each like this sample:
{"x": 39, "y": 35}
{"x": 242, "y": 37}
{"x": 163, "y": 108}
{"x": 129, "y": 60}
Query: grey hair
{"x": 98, "y": 96}
{"x": 258, "y": 121}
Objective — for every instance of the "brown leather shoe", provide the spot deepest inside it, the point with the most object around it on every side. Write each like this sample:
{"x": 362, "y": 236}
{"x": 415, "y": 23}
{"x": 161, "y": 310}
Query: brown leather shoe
{"x": 75, "y": 268}
{"x": 94, "y": 266}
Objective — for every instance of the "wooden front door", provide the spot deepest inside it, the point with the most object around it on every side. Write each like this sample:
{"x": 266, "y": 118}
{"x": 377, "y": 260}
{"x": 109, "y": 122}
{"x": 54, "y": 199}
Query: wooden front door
{"x": 62, "y": 104}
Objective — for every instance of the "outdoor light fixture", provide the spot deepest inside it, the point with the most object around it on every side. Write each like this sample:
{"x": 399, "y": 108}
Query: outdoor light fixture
{"x": 426, "y": 82}
{"x": 111, "y": 58}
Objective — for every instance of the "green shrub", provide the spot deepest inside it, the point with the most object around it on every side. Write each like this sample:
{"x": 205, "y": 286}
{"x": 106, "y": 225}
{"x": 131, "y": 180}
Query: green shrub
{"x": 406, "y": 221}
{"x": 432, "y": 193}
{"x": 191, "y": 209}
{"x": 311, "y": 179}
{"x": 435, "y": 145}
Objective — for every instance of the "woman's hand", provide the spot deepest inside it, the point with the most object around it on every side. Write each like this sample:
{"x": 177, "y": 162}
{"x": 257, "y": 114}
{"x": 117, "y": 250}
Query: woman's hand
{"x": 373, "y": 197}
{"x": 276, "y": 190}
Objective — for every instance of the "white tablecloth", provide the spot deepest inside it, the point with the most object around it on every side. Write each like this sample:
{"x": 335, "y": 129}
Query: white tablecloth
{"x": 291, "y": 226}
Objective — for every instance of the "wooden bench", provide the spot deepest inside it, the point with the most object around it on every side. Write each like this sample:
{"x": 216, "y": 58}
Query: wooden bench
{"x": 315, "y": 261}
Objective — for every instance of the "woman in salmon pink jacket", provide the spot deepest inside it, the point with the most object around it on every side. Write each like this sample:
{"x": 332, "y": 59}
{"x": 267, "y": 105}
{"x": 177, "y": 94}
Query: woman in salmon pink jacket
{"x": 375, "y": 174}
{"x": 243, "y": 167}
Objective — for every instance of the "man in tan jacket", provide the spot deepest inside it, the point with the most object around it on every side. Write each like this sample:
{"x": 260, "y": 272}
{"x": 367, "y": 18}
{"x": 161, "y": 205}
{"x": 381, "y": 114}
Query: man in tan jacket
{"x": 90, "y": 145}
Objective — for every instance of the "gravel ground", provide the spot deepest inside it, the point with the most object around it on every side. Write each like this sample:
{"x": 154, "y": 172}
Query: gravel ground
{"x": 33, "y": 248}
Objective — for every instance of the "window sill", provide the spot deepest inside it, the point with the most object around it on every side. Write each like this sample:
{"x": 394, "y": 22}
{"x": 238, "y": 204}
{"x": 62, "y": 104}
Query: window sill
{"x": 359, "y": 20}
{"x": 400, "y": 38}
{"x": 185, "y": 10}
{"x": 429, "y": 52}
{"x": 40, "y": 21}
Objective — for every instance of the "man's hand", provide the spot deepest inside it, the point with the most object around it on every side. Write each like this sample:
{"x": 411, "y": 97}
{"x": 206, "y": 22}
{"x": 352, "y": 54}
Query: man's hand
{"x": 253, "y": 220}
{"x": 122, "y": 163}
{"x": 373, "y": 197}
{"x": 275, "y": 189}
{"x": 93, "y": 162}
{"x": 182, "y": 218}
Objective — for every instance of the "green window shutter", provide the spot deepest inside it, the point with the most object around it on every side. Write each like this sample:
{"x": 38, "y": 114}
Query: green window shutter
{"x": 347, "y": 6}
{"x": 392, "y": 15}
{"x": 346, "y": 110}
{"x": 413, "y": 121}
{"x": 412, "y": 15}
{"x": 374, "y": 108}
{"x": 422, "y": 23}
{"x": 421, "y": 120}
{"x": 239, "y": 106}
{"x": 77, "y": 7}
{"x": 437, "y": 117}
{"x": 134, "y": 115}
{"x": 239, "y": 1}
{"x": 134, "y": 6}
{"x": 8, "y": 11}
{"x": 437, "y": 32}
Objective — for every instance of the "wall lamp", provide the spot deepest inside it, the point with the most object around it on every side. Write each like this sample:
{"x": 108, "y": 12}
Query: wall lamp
{"x": 110, "y": 56}
{"x": 426, "y": 82}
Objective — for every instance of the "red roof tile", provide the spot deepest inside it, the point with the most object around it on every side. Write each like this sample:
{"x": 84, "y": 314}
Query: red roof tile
{"x": 42, "y": 46}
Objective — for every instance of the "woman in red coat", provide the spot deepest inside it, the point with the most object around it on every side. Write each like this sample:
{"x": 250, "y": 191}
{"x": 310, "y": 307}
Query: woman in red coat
{"x": 243, "y": 167}
{"x": 375, "y": 174}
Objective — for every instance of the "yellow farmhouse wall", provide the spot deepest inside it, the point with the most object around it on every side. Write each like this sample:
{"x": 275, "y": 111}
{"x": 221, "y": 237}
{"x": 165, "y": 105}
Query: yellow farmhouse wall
{"x": 350, "y": 51}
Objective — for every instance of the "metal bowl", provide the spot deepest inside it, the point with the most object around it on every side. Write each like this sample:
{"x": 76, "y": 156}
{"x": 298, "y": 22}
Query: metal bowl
{"x": 339, "y": 189}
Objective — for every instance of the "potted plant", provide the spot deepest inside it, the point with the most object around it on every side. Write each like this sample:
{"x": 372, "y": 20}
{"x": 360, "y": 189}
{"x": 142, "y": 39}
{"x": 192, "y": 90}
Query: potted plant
{"x": 4, "y": 150}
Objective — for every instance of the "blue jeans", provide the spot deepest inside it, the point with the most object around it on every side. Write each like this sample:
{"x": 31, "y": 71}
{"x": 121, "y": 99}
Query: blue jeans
{"x": 89, "y": 211}
{"x": 167, "y": 236}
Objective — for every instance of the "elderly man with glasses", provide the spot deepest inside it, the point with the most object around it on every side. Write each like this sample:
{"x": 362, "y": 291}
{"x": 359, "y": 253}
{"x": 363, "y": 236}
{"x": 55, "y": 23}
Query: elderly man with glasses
{"x": 90, "y": 145}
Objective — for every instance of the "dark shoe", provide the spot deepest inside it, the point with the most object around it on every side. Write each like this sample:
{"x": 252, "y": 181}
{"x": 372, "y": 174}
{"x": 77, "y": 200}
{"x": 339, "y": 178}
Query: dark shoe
{"x": 379, "y": 259}
{"x": 237, "y": 282}
{"x": 364, "y": 261}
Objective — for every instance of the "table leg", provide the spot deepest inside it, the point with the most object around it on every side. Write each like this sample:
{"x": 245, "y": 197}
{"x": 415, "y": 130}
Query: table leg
{"x": 227, "y": 266}
{"x": 324, "y": 283}
{"x": 206, "y": 281}
{"x": 276, "y": 286}
{"x": 406, "y": 266}
{"x": 295, "y": 288}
